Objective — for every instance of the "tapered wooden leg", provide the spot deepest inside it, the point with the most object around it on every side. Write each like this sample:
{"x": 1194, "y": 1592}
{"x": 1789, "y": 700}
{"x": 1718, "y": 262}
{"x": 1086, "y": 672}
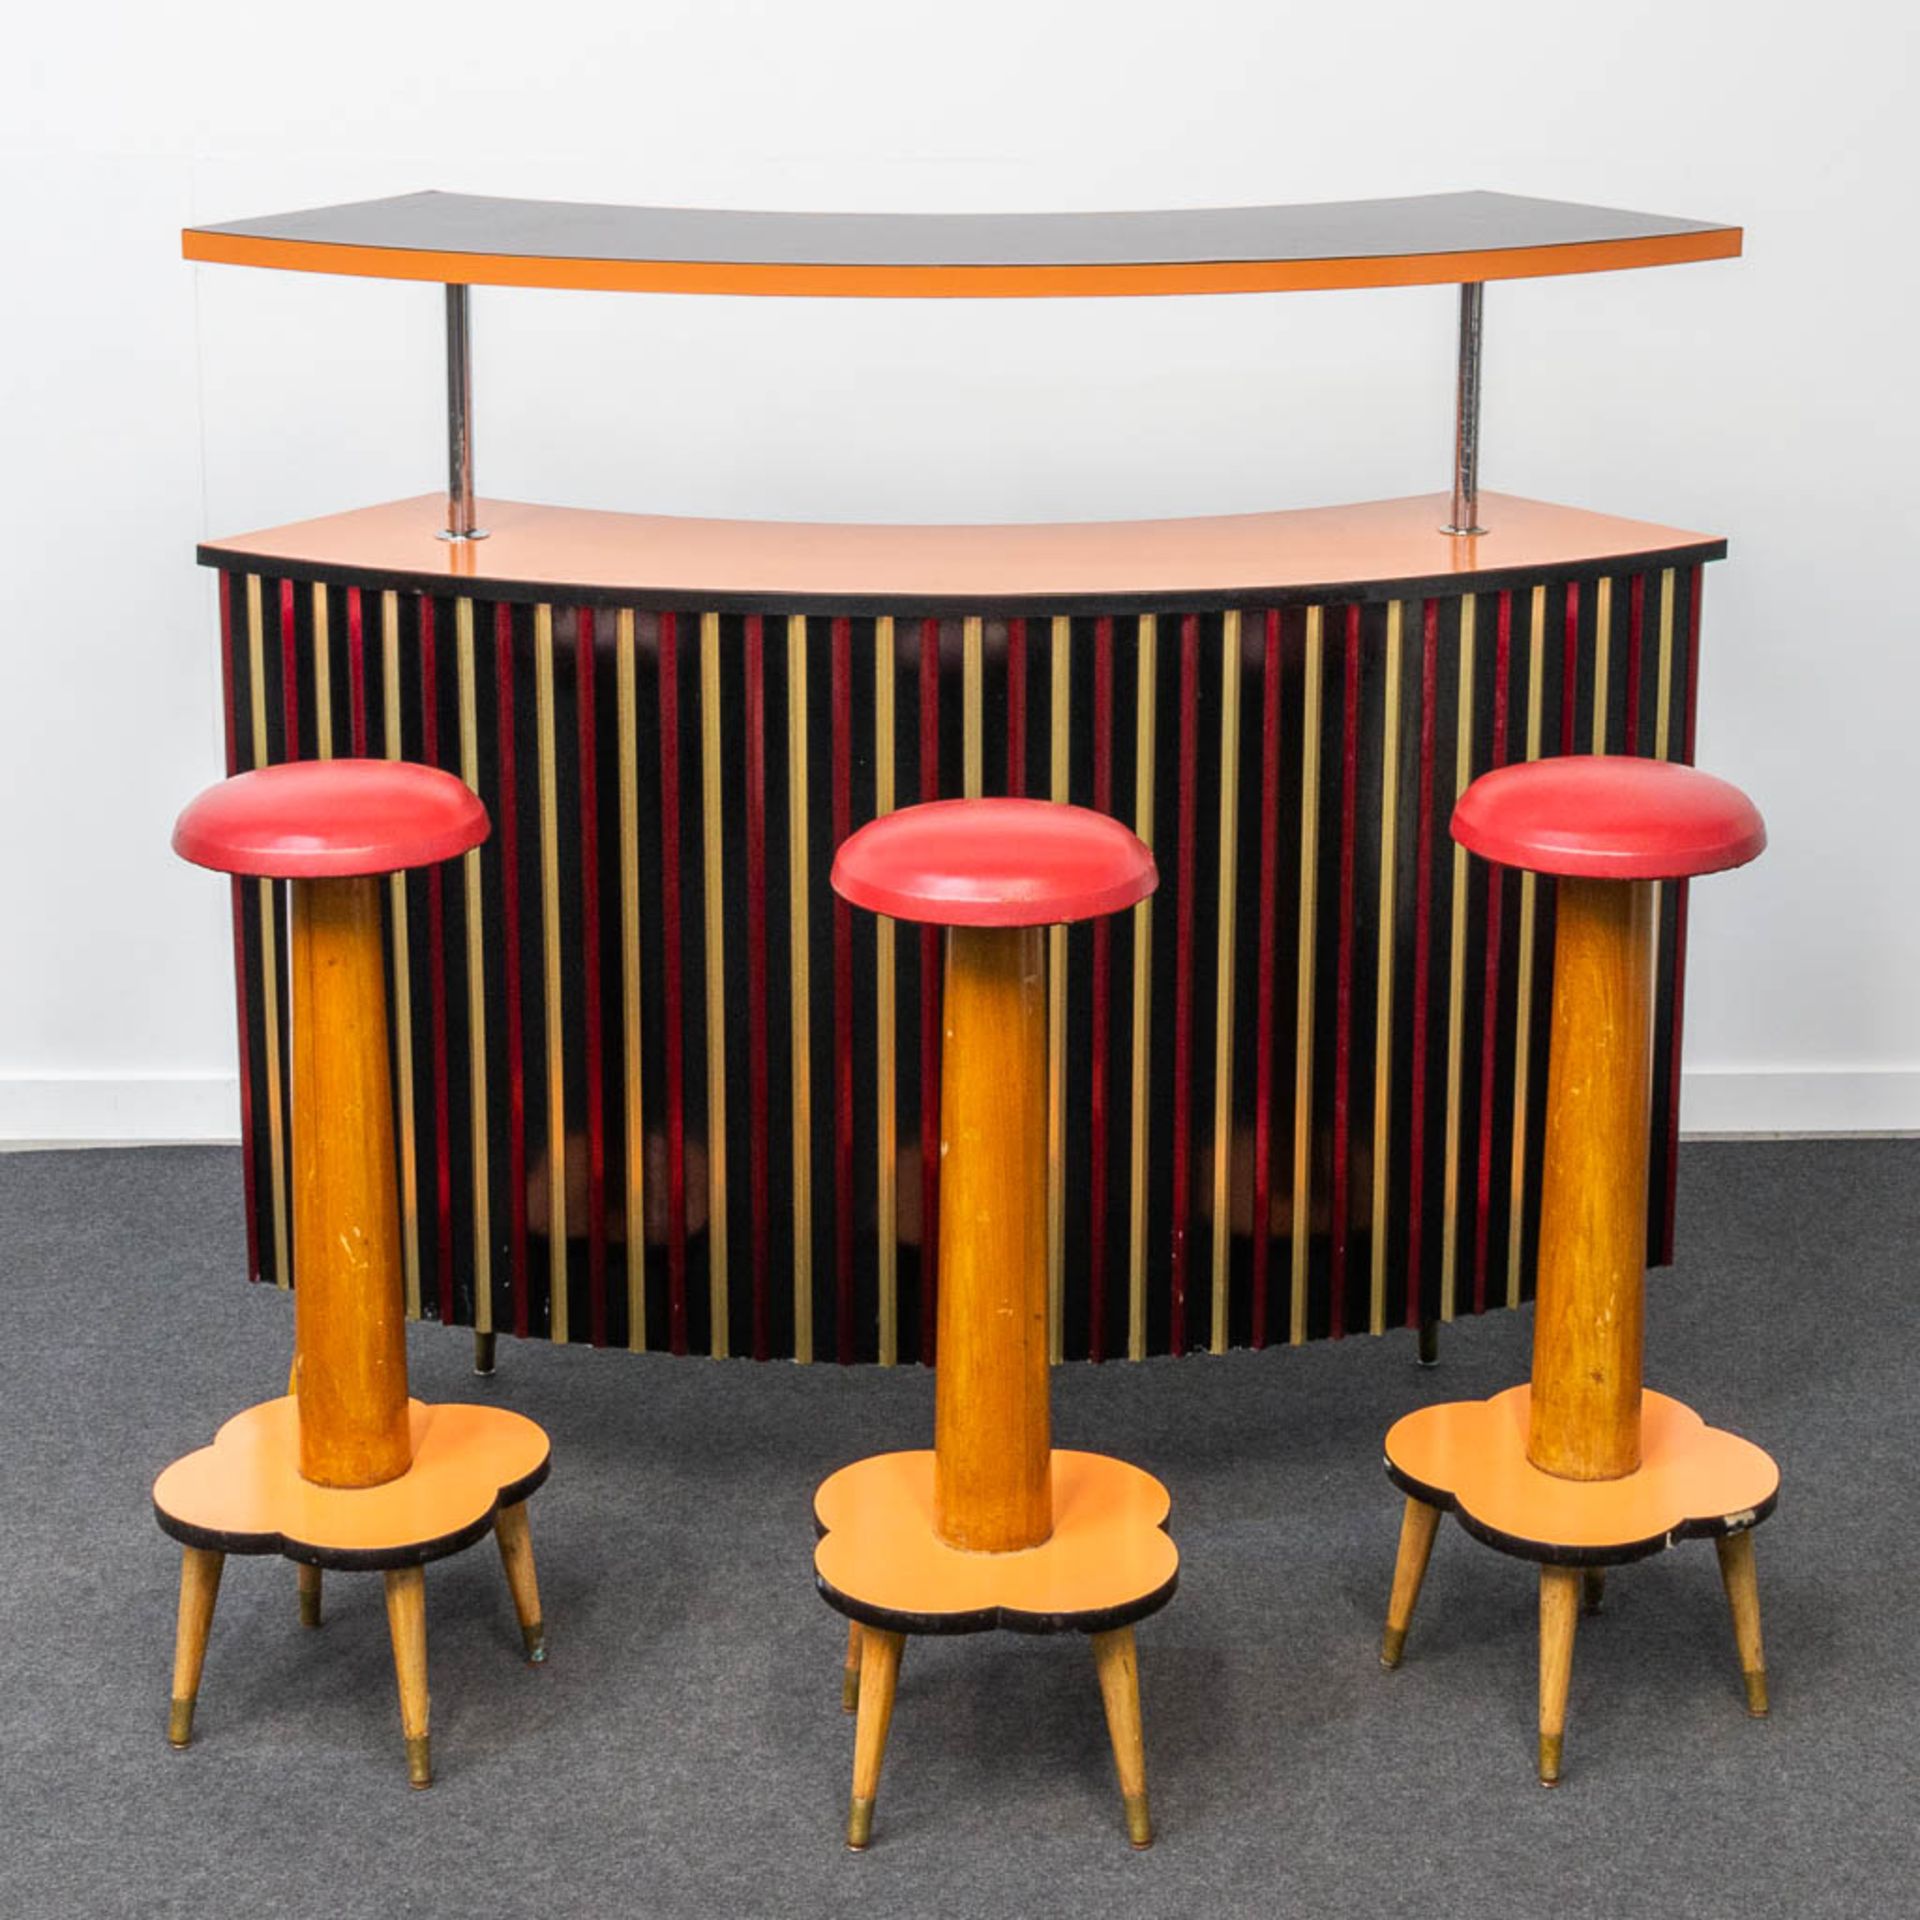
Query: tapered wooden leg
{"x": 850, "y": 1677}
{"x": 1743, "y": 1596}
{"x": 516, "y": 1555}
{"x": 1118, "y": 1665}
{"x": 1416, "y": 1545}
{"x": 199, "y": 1588}
{"x": 309, "y": 1596}
{"x": 407, "y": 1622}
{"x": 1559, "y": 1615}
{"x": 1593, "y": 1589}
{"x": 879, "y": 1673}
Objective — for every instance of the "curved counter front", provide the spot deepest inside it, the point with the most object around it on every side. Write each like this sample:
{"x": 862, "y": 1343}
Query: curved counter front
{"x": 658, "y": 1088}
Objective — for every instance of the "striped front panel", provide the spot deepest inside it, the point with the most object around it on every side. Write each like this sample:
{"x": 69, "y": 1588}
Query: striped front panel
{"x": 658, "y": 1088}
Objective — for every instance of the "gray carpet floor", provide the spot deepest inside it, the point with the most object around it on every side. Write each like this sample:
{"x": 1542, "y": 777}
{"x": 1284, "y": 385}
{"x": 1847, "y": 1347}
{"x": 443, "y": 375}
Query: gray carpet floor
{"x": 683, "y": 1751}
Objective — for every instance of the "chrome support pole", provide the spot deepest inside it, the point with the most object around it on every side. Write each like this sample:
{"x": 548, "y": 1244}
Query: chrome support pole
{"x": 1465, "y": 517}
{"x": 460, "y": 524}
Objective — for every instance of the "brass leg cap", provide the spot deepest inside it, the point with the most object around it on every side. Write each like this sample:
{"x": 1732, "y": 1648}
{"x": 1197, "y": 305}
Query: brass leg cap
{"x": 859, "y": 1824}
{"x": 850, "y": 1690}
{"x": 1393, "y": 1643}
{"x": 535, "y": 1640}
{"x": 1139, "y": 1821}
{"x": 180, "y": 1723}
{"x": 1756, "y": 1692}
{"x": 1550, "y": 1745}
{"x": 309, "y": 1607}
{"x": 419, "y": 1760}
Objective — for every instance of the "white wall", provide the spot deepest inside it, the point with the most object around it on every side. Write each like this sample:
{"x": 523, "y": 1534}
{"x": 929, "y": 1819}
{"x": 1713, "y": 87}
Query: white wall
{"x": 148, "y": 402}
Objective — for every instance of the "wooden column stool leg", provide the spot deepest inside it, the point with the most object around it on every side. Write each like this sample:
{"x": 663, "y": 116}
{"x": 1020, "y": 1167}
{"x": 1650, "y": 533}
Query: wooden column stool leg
{"x": 199, "y": 1589}
{"x": 407, "y": 1624}
{"x": 1559, "y": 1615}
{"x": 1417, "y": 1527}
{"x": 1738, "y": 1575}
{"x": 995, "y": 1526}
{"x": 516, "y": 1555}
{"x": 879, "y": 1675}
{"x": 1119, "y": 1668}
{"x": 347, "y": 1470}
{"x": 1584, "y": 1468}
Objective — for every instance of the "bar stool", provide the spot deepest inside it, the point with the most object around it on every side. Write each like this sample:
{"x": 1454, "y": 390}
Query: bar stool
{"x": 994, "y": 1527}
{"x": 1582, "y": 1470}
{"x": 346, "y": 1471}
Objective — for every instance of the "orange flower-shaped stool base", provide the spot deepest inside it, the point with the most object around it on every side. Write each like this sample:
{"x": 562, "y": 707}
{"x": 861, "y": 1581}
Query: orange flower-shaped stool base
{"x": 472, "y": 1471}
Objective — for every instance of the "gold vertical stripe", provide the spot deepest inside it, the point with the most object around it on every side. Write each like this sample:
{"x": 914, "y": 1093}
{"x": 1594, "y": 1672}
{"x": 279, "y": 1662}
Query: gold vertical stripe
{"x": 972, "y": 704}
{"x": 1223, "y": 970}
{"x": 1523, "y": 999}
{"x": 322, "y": 673}
{"x": 1663, "y": 711}
{"x": 716, "y": 935}
{"x": 887, "y": 1145}
{"x": 269, "y": 948}
{"x": 1061, "y": 641}
{"x": 552, "y": 956}
{"x": 636, "y": 1205}
{"x": 1602, "y": 647}
{"x": 1302, "y": 1223}
{"x": 476, "y": 981}
{"x": 1142, "y": 1003}
{"x": 402, "y": 972}
{"x": 800, "y": 970}
{"x": 1457, "y": 971}
{"x": 1383, "y": 993}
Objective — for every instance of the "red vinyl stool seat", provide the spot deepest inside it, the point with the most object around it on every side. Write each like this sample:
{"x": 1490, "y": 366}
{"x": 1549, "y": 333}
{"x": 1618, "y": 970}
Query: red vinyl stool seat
{"x": 331, "y": 819}
{"x": 994, "y": 863}
{"x": 1609, "y": 817}
{"x": 1584, "y": 1468}
{"x": 994, "y": 1526}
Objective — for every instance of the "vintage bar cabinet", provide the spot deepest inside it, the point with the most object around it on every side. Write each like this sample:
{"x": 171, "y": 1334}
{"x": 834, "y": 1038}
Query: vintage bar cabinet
{"x": 658, "y": 1088}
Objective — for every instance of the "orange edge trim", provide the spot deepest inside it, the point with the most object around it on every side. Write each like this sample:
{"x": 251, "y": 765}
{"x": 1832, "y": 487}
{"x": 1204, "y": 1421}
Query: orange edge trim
{"x": 949, "y": 282}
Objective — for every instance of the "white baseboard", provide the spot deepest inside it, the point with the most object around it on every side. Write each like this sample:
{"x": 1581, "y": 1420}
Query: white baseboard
{"x": 92, "y": 1109}
{"x": 160, "y": 1107}
{"x": 1845, "y": 1100}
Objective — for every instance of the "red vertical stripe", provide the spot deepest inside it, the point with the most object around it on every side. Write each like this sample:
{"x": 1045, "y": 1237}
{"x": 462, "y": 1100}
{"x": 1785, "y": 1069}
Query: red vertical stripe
{"x": 1490, "y": 1012}
{"x": 590, "y": 979}
{"x": 506, "y": 823}
{"x": 437, "y": 973}
{"x": 1570, "y": 668}
{"x": 670, "y": 971}
{"x": 1636, "y": 622}
{"x": 1102, "y": 1011}
{"x": 1263, "y": 988}
{"x": 930, "y": 989}
{"x": 1680, "y": 897}
{"x": 842, "y": 674}
{"x": 1016, "y": 707}
{"x": 1183, "y": 982}
{"x": 759, "y": 1198}
{"x": 289, "y": 674}
{"x": 1422, "y": 962}
{"x": 231, "y": 714}
{"x": 1337, "y": 1199}
{"x": 357, "y": 673}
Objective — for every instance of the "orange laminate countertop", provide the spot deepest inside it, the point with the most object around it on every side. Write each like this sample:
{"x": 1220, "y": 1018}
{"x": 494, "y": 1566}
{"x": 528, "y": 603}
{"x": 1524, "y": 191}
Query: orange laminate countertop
{"x": 1426, "y": 239}
{"x": 1378, "y": 549}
